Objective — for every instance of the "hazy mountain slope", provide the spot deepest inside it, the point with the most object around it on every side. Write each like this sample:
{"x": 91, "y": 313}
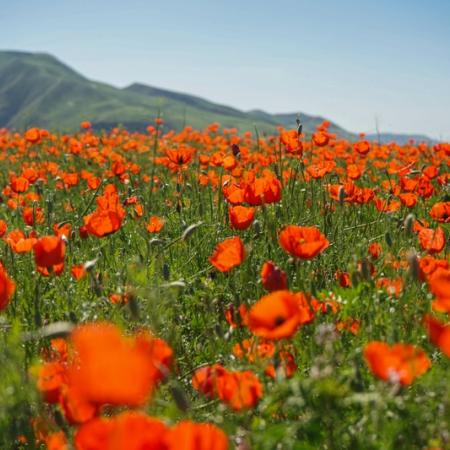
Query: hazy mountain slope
{"x": 37, "y": 89}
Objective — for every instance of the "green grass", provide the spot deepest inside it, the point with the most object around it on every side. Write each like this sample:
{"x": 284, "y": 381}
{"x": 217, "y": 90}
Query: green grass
{"x": 332, "y": 402}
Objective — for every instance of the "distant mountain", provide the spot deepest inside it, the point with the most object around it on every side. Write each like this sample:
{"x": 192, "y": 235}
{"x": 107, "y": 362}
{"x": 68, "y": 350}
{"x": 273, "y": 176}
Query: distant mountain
{"x": 399, "y": 138}
{"x": 37, "y": 89}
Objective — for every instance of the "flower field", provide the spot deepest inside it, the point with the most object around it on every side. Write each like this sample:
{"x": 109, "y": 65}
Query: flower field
{"x": 209, "y": 290}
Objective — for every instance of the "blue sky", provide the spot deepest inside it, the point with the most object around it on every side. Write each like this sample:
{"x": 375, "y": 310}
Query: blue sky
{"x": 354, "y": 62}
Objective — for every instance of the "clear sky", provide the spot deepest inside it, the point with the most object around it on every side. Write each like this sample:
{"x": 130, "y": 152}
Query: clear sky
{"x": 354, "y": 62}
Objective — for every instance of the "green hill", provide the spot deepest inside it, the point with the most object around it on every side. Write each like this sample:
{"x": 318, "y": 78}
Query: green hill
{"x": 37, "y": 89}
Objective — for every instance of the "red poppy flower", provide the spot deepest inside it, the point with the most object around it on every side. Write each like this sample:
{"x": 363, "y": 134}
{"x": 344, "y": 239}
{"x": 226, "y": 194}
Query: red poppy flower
{"x": 286, "y": 366}
{"x": 155, "y": 224}
{"x": 375, "y": 250}
{"x": 241, "y": 217}
{"x": 272, "y": 277}
{"x": 441, "y": 212}
{"x": 439, "y": 333}
{"x": 109, "y": 368}
{"x": 228, "y": 254}
{"x": 128, "y": 430}
{"x": 187, "y": 435}
{"x": 239, "y": 390}
{"x": 343, "y": 278}
{"x": 439, "y": 282}
{"x": 302, "y": 242}
{"x": 433, "y": 241}
{"x": 49, "y": 251}
{"x": 7, "y": 288}
{"x": 400, "y": 363}
{"x": 279, "y": 314}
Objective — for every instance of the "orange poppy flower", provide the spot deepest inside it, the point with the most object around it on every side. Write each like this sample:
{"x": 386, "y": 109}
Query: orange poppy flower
{"x": 375, "y": 250}
{"x": 253, "y": 349}
{"x": 181, "y": 156}
{"x": 18, "y": 241}
{"x": 409, "y": 199}
{"x": 3, "y": 227}
{"x": 78, "y": 271}
{"x": 438, "y": 333}
{"x": 351, "y": 325}
{"x": 286, "y": 366}
{"x": 31, "y": 215}
{"x": 439, "y": 283}
{"x": 205, "y": 379}
{"x": 399, "y": 363}
{"x": 441, "y": 212}
{"x": 108, "y": 216}
{"x": 33, "y": 135}
{"x": 49, "y": 251}
{"x": 263, "y": 190}
{"x": 320, "y": 138}
{"x": 428, "y": 264}
{"x": 19, "y": 184}
{"x": 230, "y": 316}
{"x": 343, "y": 278}
{"x": 155, "y": 224}
{"x": 239, "y": 390}
{"x": 241, "y": 217}
{"x": 62, "y": 230}
{"x": 362, "y": 147}
{"x": 302, "y": 242}
{"x": 291, "y": 141}
{"x": 187, "y": 435}
{"x": 51, "y": 379}
{"x": 272, "y": 277}
{"x": 392, "y": 286}
{"x": 7, "y": 288}
{"x": 228, "y": 254}
{"x": 109, "y": 368}
{"x": 103, "y": 222}
{"x": 433, "y": 241}
{"x": 128, "y": 430}
{"x": 278, "y": 315}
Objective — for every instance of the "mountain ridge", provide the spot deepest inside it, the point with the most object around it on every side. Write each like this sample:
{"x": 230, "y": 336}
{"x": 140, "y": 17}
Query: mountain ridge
{"x": 37, "y": 89}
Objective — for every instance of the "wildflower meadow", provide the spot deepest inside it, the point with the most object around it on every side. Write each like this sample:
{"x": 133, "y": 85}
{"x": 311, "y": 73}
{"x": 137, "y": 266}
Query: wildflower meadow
{"x": 212, "y": 289}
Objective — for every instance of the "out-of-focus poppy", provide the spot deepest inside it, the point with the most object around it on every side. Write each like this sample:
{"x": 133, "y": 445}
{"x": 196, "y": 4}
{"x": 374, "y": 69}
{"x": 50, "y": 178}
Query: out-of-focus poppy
{"x": 239, "y": 390}
{"x": 109, "y": 368}
{"x": 187, "y": 435}
{"x": 439, "y": 282}
{"x": 399, "y": 363}
{"x": 49, "y": 251}
{"x": 155, "y": 224}
{"x": 7, "y": 288}
{"x": 438, "y": 333}
{"x": 128, "y": 430}
{"x": 433, "y": 241}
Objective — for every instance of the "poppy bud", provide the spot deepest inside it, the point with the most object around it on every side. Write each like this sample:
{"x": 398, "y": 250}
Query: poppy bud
{"x": 413, "y": 262}
{"x": 166, "y": 271}
{"x": 190, "y": 230}
{"x": 134, "y": 306}
{"x": 180, "y": 398}
{"x": 388, "y": 238}
{"x": 409, "y": 221}
{"x": 341, "y": 195}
